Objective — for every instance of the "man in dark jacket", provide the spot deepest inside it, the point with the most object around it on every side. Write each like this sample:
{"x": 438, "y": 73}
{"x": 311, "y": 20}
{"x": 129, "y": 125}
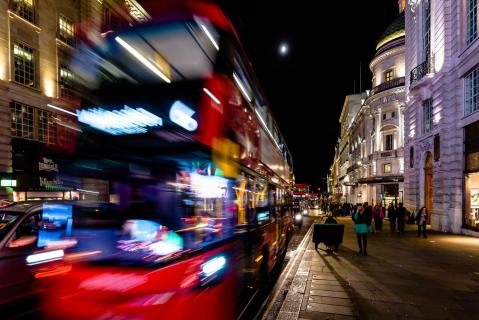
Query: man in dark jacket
{"x": 401, "y": 215}
{"x": 392, "y": 217}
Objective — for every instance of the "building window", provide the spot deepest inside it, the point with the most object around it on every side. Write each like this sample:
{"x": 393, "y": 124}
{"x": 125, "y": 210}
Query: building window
{"x": 387, "y": 168}
{"x": 393, "y": 114}
{"x": 25, "y": 9}
{"x": 388, "y": 75}
{"x": 471, "y": 88}
{"x": 111, "y": 21}
{"x": 66, "y": 80}
{"x": 47, "y": 128}
{"x": 22, "y": 121}
{"x": 66, "y": 32}
{"x": 471, "y": 21}
{"x": 437, "y": 147}
{"x": 388, "y": 142}
{"x": 24, "y": 64}
{"x": 384, "y": 116}
{"x": 427, "y": 115}
{"x": 411, "y": 157}
{"x": 426, "y": 29}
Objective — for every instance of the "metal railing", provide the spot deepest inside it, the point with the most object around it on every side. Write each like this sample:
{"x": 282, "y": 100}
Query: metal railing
{"x": 421, "y": 70}
{"x": 397, "y": 82}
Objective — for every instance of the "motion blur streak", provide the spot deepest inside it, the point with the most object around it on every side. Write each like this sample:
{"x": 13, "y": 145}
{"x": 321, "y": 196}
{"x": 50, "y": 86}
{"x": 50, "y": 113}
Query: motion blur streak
{"x": 56, "y": 271}
{"x": 142, "y": 59}
{"x": 42, "y": 257}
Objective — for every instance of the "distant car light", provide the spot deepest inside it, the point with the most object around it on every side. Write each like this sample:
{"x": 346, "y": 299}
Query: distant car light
{"x": 305, "y": 211}
{"x": 298, "y": 217}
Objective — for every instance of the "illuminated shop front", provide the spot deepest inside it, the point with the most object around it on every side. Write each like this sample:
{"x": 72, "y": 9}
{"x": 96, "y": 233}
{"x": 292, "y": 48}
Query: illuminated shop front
{"x": 36, "y": 174}
{"x": 471, "y": 194}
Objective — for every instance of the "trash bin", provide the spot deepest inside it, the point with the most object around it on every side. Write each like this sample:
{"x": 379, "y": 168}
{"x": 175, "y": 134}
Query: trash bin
{"x": 329, "y": 234}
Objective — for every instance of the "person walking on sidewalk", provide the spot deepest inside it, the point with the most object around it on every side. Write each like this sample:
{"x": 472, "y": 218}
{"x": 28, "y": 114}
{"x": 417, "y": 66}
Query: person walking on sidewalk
{"x": 421, "y": 220}
{"x": 401, "y": 216}
{"x": 378, "y": 218}
{"x": 392, "y": 217}
{"x": 361, "y": 228}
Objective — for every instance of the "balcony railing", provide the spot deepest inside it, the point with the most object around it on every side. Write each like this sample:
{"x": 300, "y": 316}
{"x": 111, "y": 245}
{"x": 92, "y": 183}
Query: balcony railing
{"x": 388, "y": 85}
{"x": 421, "y": 70}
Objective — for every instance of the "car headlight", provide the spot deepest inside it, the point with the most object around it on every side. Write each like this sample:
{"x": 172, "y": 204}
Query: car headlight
{"x": 298, "y": 217}
{"x": 305, "y": 211}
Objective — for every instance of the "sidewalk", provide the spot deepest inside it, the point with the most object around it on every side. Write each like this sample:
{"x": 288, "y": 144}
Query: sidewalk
{"x": 404, "y": 277}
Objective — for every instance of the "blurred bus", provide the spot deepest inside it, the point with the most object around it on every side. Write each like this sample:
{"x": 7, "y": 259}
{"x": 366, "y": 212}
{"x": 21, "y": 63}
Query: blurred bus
{"x": 176, "y": 132}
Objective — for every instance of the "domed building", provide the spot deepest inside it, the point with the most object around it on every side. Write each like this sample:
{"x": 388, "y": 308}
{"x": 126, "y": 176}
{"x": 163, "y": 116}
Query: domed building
{"x": 386, "y": 102}
{"x": 376, "y": 134}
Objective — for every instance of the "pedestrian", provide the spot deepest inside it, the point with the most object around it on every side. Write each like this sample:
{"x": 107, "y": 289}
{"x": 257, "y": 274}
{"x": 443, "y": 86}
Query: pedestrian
{"x": 368, "y": 210}
{"x": 361, "y": 229}
{"x": 392, "y": 217}
{"x": 421, "y": 220}
{"x": 378, "y": 218}
{"x": 401, "y": 217}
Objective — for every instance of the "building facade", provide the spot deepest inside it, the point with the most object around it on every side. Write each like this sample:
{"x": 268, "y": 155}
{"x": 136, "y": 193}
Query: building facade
{"x": 441, "y": 118}
{"x": 369, "y": 156}
{"x": 37, "y": 84}
{"x": 383, "y": 134}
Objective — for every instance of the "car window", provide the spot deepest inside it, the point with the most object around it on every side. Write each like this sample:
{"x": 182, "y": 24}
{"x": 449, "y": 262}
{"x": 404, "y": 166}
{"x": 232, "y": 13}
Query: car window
{"x": 7, "y": 220}
{"x": 29, "y": 227}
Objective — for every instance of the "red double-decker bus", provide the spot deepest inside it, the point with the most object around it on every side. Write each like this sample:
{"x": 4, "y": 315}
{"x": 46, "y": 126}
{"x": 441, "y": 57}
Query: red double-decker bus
{"x": 186, "y": 167}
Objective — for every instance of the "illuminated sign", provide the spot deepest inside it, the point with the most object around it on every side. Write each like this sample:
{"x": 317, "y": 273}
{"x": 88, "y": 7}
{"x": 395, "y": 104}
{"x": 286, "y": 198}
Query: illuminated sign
{"x": 8, "y": 183}
{"x": 181, "y": 114}
{"x": 120, "y": 122}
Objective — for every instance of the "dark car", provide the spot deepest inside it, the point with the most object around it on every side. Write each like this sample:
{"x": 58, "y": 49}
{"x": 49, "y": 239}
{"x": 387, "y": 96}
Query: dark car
{"x": 33, "y": 237}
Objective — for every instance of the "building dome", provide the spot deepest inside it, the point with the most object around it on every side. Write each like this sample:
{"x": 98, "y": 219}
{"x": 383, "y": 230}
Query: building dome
{"x": 392, "y": 36}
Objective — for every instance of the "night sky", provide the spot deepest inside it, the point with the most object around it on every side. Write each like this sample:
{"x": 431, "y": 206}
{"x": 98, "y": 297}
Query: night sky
{"x": 306, "y": 89}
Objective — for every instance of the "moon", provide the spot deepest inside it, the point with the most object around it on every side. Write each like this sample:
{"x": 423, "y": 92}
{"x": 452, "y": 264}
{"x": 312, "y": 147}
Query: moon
{"x": 283, "y": 49}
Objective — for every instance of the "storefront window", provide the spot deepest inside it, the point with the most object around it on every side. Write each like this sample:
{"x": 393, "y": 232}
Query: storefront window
{"x": 472, "y": 200}
{"x": 471, "y": 194}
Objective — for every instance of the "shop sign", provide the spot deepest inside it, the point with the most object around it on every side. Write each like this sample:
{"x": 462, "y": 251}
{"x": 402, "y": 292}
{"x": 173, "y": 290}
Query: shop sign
{"x": 47, "y": 165}
{"x": 44, "y": 182}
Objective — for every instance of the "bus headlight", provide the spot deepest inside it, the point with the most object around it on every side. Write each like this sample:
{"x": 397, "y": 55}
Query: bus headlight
{"x": 212, "y": 269}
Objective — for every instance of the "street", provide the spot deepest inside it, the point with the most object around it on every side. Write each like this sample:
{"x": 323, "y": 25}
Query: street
{"x": 258, "y": 306}
{"x": 175, "y": 159}
{"x": 404, "y": 277}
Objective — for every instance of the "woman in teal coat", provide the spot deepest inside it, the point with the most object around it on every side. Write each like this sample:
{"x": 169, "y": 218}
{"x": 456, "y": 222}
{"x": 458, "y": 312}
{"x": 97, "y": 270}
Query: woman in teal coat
{"x": 361, "y": 228}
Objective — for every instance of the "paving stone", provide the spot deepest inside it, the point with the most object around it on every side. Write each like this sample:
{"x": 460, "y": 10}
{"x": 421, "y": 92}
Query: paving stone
{"x": 328, "y": 287}
{"x": 328, "y": 308}
{"x": 331, "y": 300}
{"x": 311, "y": 315}
{"x": 326, "y": 293}
{"x": 287, "y": 316}
{"x": 326, "y": 282}
{"x": 323, "y": 277}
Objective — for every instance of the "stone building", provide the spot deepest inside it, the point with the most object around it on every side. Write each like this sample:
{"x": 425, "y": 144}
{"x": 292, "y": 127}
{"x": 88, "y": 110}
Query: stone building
{"x": 369, "y": 158}
{"x": 38, "y": 98}
{"x": 441, "y": 118}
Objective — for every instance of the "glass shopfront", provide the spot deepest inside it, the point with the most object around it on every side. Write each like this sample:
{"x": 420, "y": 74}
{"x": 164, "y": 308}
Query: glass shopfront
{"x": 471, "y": 194}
